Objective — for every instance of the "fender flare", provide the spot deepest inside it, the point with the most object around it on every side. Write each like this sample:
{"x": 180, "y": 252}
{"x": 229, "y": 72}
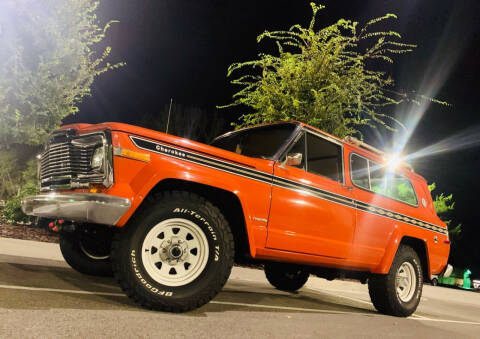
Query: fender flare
{"x": 398, "y": 237}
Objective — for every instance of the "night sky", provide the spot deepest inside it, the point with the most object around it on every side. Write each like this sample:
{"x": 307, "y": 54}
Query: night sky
{"x": 181, "y": 49}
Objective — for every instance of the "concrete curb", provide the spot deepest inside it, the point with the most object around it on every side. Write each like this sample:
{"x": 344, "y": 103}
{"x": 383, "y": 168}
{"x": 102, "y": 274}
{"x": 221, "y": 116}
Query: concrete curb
{"x": 30, "y": 249}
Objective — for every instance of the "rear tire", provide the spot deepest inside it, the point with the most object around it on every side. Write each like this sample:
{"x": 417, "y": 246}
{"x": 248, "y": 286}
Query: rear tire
{"x": 176, "y": 254}
{"x": 88, "y": 250}
{"x": 398, "y": 293}
{"x": 286, "y": 277}
{"x": 434, "y": 282}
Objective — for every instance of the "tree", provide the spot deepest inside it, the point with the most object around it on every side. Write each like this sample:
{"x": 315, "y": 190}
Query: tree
{"x": 444, "y": 204}
{"x": 322, "y": 77}
{"x": 185, "y": 121}
{"x": 47, "y": 64}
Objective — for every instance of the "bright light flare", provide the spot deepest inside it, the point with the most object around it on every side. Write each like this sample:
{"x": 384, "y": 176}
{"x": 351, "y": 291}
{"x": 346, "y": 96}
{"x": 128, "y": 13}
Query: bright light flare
{"x": 393, "y": 160}
{"x": 450, "y": 46}
{"x": 466, "y": 139}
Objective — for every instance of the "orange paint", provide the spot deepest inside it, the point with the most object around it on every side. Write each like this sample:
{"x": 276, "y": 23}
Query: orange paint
{"x": 285, "y": 223}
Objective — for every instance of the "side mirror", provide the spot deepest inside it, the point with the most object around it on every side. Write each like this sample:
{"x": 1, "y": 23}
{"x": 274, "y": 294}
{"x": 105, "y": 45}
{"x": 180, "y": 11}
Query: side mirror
{"x": 293, "y": 159}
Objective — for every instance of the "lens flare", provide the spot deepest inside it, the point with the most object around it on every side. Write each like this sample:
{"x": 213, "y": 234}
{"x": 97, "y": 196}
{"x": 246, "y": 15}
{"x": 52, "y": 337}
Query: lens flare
{"x": 466, "y": 139}
{"x": 393, "y": 160}
{"x": 450, "y": 44}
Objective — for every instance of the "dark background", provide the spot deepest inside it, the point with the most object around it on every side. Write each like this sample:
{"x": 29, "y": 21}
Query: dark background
{"x": 181, "y": 49}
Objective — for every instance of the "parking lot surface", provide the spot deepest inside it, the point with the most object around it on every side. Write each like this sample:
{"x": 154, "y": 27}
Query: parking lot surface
{"x": 41, "y": 297}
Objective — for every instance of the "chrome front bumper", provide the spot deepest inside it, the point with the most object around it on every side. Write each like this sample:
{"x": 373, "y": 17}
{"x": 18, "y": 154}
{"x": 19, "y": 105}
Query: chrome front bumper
{"x": 86, "y": 207}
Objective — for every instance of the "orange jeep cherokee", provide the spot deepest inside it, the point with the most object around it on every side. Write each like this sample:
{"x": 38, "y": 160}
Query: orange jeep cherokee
{"x": 169, "y": 216}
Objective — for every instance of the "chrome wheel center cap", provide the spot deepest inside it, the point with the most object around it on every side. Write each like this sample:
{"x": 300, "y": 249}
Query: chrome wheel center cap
{"x": 173, "y": 251}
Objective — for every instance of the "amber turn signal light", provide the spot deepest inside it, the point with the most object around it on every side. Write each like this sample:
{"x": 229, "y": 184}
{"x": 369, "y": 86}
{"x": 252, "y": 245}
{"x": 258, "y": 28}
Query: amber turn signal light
{"x": 127, "y": 153}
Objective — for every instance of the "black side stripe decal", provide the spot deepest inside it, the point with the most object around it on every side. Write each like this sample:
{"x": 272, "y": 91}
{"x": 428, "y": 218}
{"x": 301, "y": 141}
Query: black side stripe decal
{"x": 250, "y": 173}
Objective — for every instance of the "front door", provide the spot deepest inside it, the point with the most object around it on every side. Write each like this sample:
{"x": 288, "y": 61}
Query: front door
{"x": 312, "y": 210}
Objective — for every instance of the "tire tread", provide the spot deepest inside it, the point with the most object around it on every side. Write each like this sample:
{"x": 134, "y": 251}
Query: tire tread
{"x": 381, "y": 287}
{"x": 186, "y": 304}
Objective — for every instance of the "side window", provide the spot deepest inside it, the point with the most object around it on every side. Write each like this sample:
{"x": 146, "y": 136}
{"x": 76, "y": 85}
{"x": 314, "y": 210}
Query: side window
{"x": 359, "y": 169}
{"x": 324, "y": 158}
{"x": 401, "y": 188}
{"x": 374, "y": 177}
{"x": 378, "y": 179}
{"x": 299, "y": 147}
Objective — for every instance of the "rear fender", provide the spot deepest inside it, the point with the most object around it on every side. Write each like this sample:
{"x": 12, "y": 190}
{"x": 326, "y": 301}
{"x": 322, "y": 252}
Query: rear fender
{"x": 390, "y": 251}
{"x": 421, "y": 246}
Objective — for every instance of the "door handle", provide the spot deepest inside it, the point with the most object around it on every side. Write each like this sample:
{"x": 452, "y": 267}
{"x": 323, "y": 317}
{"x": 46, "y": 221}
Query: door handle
{"x": 350, "y": 188}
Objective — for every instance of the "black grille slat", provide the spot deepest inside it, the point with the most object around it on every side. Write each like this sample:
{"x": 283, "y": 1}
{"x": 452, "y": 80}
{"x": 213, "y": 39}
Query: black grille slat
{"x": 65, "y": 163}
{"x": 68, "y": 155}
{"x": 65, "y": 168}
{"x": 56, "y": 173}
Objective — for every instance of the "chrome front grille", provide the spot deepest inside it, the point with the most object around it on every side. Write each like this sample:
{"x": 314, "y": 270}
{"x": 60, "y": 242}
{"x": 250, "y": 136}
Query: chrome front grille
{"x": 65, "y": 160}
{"x": 65, "y": 163}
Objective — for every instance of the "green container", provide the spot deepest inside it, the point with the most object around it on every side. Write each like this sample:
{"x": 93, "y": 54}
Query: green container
{"x": 467, "y": 283}
{"x": 459, "y": 277}
{"x": 447, "y": 281}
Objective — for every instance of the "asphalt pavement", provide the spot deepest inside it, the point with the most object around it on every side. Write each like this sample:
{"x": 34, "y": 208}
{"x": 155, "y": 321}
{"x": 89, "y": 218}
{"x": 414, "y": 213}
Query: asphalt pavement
{"x": 41, "y": 297}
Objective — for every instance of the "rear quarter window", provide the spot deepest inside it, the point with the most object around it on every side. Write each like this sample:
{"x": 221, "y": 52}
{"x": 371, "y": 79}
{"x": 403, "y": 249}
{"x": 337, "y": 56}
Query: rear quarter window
{"x": 372, "y": 176}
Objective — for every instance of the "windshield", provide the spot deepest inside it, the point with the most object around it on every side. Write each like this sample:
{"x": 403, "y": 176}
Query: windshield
{"x": 258, "y": 142}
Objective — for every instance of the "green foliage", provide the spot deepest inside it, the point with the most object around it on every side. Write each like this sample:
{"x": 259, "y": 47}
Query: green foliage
{"x": 7, "y": 178}
{"x": 394, "y": 187}
{"x": 47, "y": 64}
{"x": 13, "y": 208}
{"x": 321, "y": 77}
{"x": 406, "y": 193}
{"x": 443, "y": 205}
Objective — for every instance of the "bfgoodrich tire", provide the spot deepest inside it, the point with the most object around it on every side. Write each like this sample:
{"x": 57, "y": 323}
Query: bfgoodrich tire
{"x": 176, "y": 254}
{"x": 286, "y": 277}
{"x": 87, "y": 250}
{"x": 398, "y": 293}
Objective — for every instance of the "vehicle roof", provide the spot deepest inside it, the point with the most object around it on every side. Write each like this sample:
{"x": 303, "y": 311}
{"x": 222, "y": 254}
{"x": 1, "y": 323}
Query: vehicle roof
{"x": 378, "y": 157}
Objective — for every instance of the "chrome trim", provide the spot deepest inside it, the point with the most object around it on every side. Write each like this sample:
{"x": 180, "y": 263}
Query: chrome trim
{"x": 80, "y": 180}
{"x": 83, "y": 207}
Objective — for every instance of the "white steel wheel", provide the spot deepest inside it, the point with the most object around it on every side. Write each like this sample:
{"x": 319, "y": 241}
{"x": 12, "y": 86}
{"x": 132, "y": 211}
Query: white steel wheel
{"x": 175, "y": 252}
{"x": 399, "y": 291}
{"x": 405, "y": 282}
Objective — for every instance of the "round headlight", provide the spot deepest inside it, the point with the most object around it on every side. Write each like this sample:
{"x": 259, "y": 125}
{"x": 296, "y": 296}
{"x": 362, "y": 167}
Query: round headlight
{"x": 97, "y": 159}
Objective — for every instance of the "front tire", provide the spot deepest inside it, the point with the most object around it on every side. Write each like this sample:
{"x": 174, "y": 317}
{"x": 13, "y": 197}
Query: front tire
{"x": 176, "y": 254}
{"x": 87, "y": 250}
{"x": 286, "y": 277}
{"x": 398, "y": 293}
